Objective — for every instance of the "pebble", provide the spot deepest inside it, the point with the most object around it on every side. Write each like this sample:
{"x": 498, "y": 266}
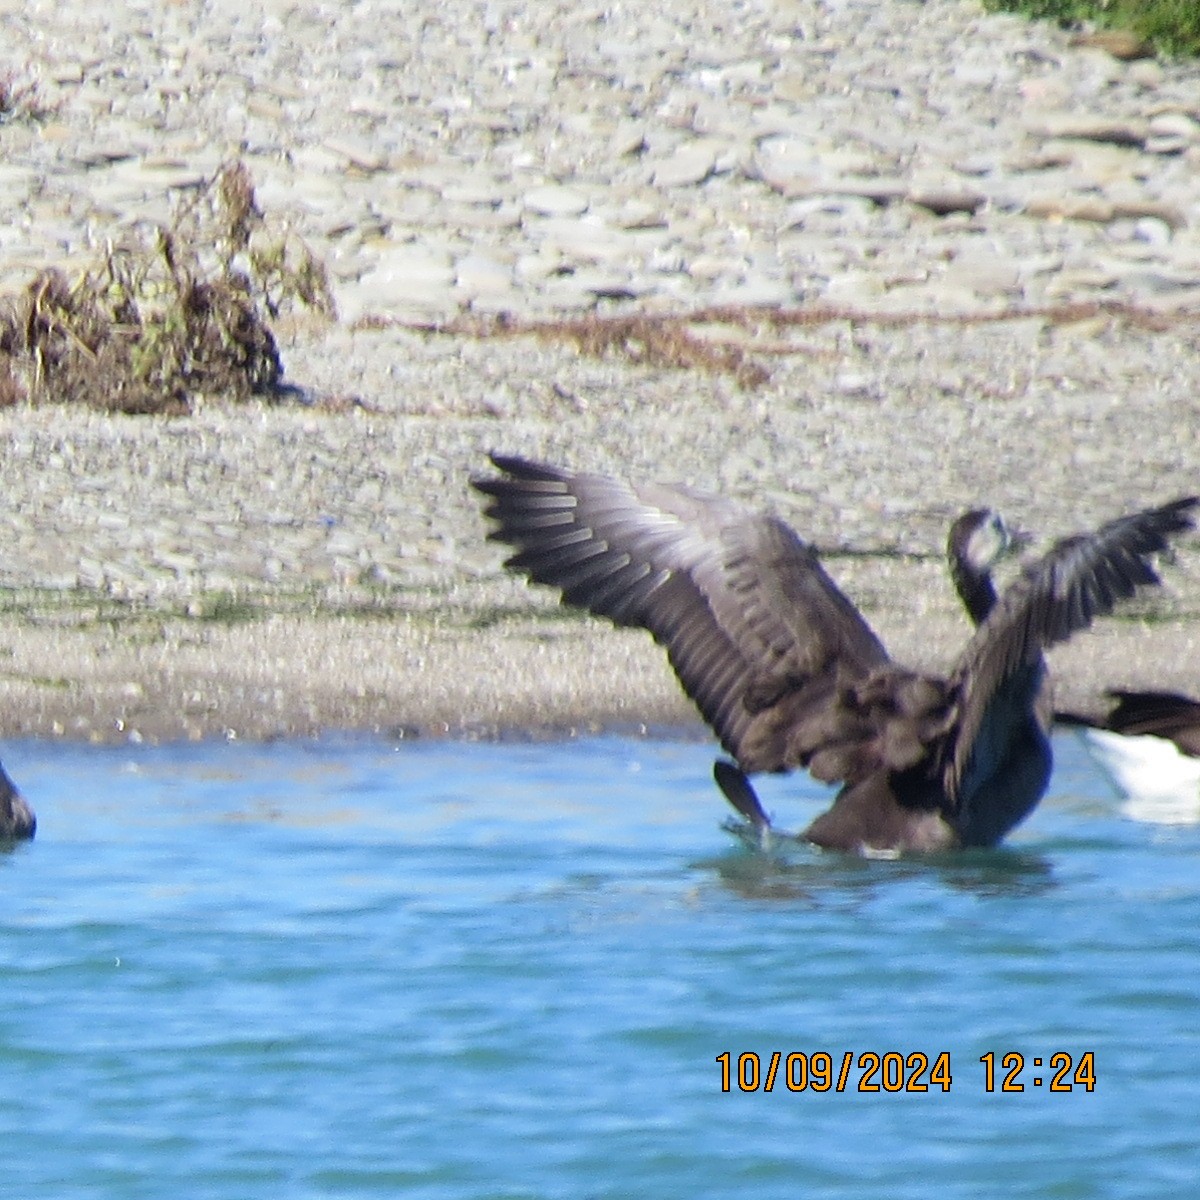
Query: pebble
{"x": 550, "y": 161}
{"x": 946, "y": 198}
{"x": 1091, "y": 128}
{"x": 688, "y": 166}
{"x": 479, "y": 274}
{"x": 553, "y": 136}
{"x": 555, "y": 201}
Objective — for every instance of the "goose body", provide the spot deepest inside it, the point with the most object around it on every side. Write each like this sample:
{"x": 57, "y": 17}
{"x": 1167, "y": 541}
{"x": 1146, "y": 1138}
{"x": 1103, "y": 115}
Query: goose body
{"x": 1149, "y": 743}
{"x": 1167, "y": 716}
{"x": 1160, "y": 783}
{"x": 787, "y": 672}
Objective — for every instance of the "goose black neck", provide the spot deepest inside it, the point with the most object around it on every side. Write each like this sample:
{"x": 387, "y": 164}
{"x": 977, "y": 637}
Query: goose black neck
{"x": 975, "y": 588}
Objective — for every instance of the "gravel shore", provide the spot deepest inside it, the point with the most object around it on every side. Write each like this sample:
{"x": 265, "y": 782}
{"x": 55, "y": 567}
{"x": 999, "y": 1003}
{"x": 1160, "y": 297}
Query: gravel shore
{"x": 1001, "y": 231}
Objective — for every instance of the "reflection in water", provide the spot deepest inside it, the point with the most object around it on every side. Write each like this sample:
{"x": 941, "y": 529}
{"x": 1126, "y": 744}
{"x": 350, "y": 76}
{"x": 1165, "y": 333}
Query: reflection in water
{"x": 786, "y": 867}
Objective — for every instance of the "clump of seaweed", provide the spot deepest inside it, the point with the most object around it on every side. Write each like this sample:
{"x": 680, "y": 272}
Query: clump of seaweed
{"x": 643, "y": 339}
{"x": 167, "y": 317}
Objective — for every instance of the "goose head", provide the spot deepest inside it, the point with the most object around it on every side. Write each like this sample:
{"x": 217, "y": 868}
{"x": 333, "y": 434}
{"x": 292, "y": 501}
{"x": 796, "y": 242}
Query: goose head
{"x": 979, "y": 540}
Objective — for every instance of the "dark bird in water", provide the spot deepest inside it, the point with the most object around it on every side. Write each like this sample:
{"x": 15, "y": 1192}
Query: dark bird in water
{"x": 787, "y": 672}
{"x": 1165, "y": 715}
{"x": 17, "y": 821}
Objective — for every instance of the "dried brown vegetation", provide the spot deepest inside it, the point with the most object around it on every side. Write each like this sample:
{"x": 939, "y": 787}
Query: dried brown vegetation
{"x": 165, "y": 318}
{"x": 733, "y": 340}
{"x": 654, "y": 340}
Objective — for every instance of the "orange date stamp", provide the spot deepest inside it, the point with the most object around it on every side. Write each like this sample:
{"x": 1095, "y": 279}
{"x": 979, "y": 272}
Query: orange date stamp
{"x": 892, "y": 1071}
{"x": 821, "y": 1071}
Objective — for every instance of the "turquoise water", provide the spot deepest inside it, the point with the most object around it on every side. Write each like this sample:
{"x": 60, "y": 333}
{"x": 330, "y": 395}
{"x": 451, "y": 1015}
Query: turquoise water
{"x": 350, "y": 968}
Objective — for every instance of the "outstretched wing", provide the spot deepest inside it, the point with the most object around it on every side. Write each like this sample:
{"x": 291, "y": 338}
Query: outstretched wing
{"x": 1079, "y": 579}
{"x": 748, "y": 616}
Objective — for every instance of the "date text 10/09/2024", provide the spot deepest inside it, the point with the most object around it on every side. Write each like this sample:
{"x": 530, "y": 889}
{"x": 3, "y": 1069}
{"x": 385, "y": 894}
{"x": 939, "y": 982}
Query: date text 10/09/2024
{"x": 896, "y": 1072}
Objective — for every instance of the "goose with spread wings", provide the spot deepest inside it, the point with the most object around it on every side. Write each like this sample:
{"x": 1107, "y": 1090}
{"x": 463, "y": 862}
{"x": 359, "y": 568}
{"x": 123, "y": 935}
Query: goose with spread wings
{"x": 787, "y": 672}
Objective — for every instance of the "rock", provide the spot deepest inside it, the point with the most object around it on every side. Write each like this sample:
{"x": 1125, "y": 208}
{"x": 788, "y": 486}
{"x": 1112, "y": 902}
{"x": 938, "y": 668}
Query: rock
{"x": 1139, "y": 206}
{"x": 878, "y": 189}
{"x": 1153, "y": 230}
{"x": 404, "y": 279}
{"x": 945, "y": 199}
{"x": 1166, "y": 144}
{"x": 556, "y": 201}
{"x": 854, "y": 385}
{"x": 691, "y": 164}
{"x": 1172, "y": 133}
{"x": 639, "y": 214}
{"x": 788, "y": 165}
{"x": 628, "y": 140}
{"x": 1173, "y": 120}
{"x": 586, "y": 239}
{"x": 854, "y": 288}
{"x": 479, "y": 274}
{"x": 1162, "y": 282}
{"x": 1093, "y": 128}
{"x": 1146, "y": 74}
{"x": 1120, "y": 43}
{"x": 1072, "y": 208}
{"x": 752, "y": 291}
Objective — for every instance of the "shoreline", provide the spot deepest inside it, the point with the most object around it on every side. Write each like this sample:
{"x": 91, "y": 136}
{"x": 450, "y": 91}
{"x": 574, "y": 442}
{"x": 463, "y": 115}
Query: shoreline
{"x": 464, "y": 672}
{"x": 985, "y": 242}
{"x": 157, "y": 584}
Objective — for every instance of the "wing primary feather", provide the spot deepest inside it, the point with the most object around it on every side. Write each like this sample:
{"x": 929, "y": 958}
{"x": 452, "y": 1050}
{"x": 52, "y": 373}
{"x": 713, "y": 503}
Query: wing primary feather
{"x": 599, "y": 595}
{"x": 630, "y": 607}
{"x": 557, "y": 567}
{"x": 527, "y": 470}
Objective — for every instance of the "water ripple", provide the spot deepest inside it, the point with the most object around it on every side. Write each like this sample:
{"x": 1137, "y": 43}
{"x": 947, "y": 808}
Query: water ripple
{"x": 347, "y": 968}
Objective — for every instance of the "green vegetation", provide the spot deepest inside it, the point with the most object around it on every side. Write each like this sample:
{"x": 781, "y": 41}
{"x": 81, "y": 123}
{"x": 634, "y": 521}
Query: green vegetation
{"x": 1171, "y": 26}
{"x": 143, "y": 621}
{"x": 224, "y": 608}
{"x": 161, "y": 320}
